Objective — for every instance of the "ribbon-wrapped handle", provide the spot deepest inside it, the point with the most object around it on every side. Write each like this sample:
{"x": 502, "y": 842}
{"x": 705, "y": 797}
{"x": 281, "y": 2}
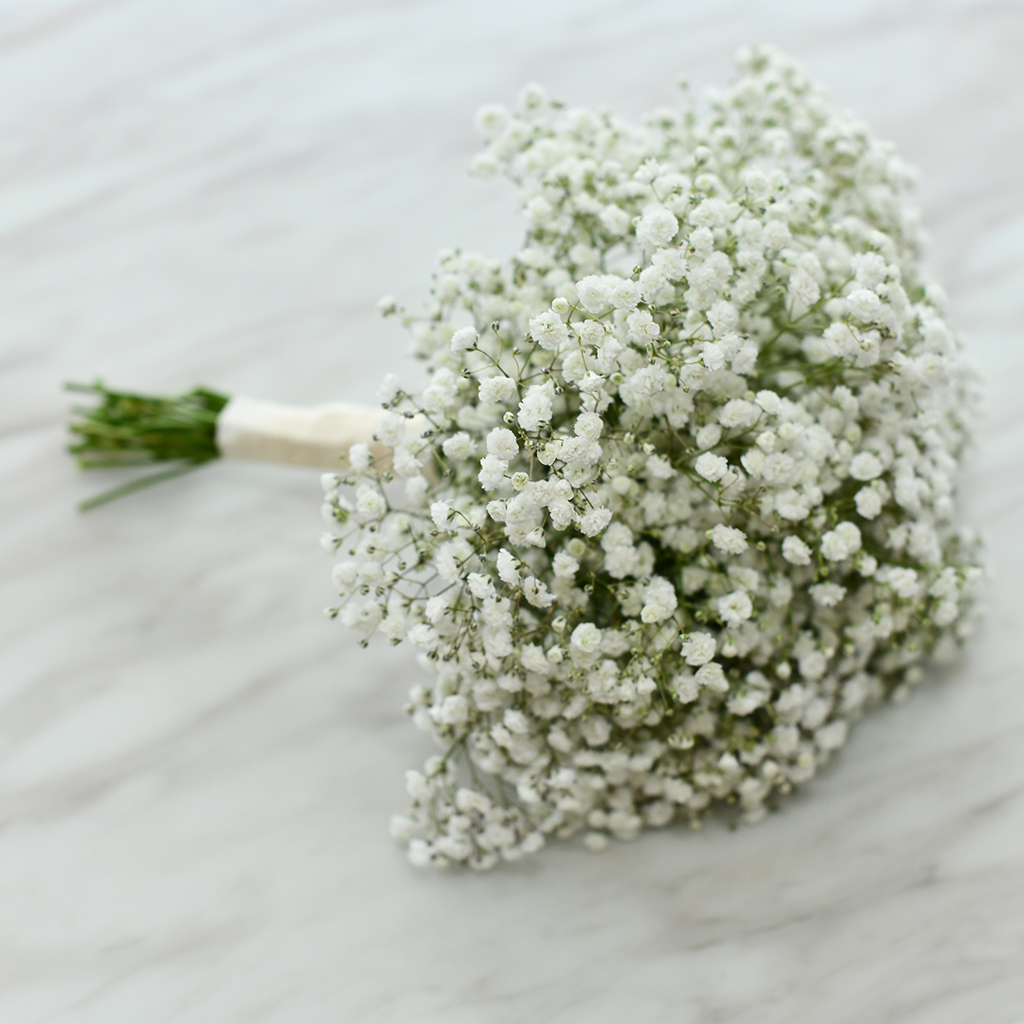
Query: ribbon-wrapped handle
{"x": 319, "y": 435}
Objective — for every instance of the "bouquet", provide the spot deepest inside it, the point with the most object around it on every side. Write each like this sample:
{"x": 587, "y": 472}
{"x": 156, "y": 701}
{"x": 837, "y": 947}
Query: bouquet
{"x": 677, "y": 502}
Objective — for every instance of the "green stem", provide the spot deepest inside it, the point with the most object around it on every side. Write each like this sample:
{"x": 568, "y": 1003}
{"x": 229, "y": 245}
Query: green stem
{"x": 138, "y": 484}
{"x": 127, "y": 429}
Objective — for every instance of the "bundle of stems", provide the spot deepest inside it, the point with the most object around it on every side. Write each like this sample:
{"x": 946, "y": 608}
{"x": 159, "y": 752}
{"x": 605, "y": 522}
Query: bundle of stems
{"x": 126, "y": 430}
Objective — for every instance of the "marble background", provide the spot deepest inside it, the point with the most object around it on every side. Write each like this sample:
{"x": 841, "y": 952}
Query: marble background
{"x": 197, "y": 770}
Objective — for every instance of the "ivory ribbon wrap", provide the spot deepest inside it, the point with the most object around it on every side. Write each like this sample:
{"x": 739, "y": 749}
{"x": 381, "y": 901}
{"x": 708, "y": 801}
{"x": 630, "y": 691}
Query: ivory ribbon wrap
{"x": 318, "y": 435}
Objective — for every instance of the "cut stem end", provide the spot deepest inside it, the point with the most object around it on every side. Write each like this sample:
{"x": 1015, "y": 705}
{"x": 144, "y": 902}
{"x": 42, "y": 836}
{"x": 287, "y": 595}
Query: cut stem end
{"x": 125, "y": 430}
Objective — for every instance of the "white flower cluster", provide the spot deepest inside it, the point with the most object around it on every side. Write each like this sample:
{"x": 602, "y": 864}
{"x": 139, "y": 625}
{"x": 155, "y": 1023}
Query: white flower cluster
{"x": 677, "y": 501}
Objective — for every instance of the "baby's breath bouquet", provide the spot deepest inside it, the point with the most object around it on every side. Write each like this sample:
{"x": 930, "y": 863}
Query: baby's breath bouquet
{"x": 678, "y": 497}
{"x": 676, "y": 503}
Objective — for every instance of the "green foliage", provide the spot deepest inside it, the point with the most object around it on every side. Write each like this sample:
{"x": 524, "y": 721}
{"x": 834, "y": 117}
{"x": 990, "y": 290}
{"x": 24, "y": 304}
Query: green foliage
{"x": 127, "y": 430}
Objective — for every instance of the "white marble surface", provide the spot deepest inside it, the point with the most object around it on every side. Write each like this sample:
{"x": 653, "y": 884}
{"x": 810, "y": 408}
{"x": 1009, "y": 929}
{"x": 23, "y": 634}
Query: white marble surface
{"x": 196, "y": 769}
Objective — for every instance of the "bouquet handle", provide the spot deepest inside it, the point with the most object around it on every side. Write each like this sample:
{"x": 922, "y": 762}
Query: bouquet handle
{"x": 319, "y": 435}
{"x": 178, "y": 433}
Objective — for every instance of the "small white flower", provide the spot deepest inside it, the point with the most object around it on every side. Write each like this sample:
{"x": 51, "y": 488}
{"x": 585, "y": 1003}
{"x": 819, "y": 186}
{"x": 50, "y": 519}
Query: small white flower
{"x": 405, "y": 462}
{"x": 739, "y": 413}
{"x": 756, "y": 182}
{"x": 659, "y": 468}
{"x": 698, "y": 648}
{"x": 497, "y": 390}
{"x": 491, "y": 119}
{"x": 624, "y": 294}
{"x": 831, "y": 736}
{"x": 904, "y": 581}
{"x": 712, "y": 676}
{"x": 642, "y": 327}
{"x": 660, "y": 600}
{"x": 795, "y": 551}
{"x": 776, "y": 234}
{"x": 657, "y": 228}
{"x": 441, "y": 513}
{"x": 501, "y": 442}
{"x": 714, "y": 355}
{"x": 588, "y": 425}
{"x": 492, "y": 472}
{"x": 370, "y": 503}
{"x": 729, "y": 540}
{"x": 586, "y": 638}
{"x": 723, "y": 317}
{"x": 869, "y": 502}
{"x": 565, "y": 566}
{"x": 828, "y": 595}
{"x": 647, "y": 381}
{"x": 464, "y": 339}
{"x": 791, "y": 505}
{"x": 866, "y": 565}
{"x": 508, "y": 568}
{"x": 803, "y": 292}
{"x": 389, "y": 388}
{"x": 417, "y": 785}
{"x": 345, "y": 576}
{"x": 711, "y": 467}
{"x": 515, "y": 721}
{"x": 454, "y": 710}
{"x": 459, "y": 446}
{"x": 480, "y": 586}
{"x": 708, "y": 436}
{"x": 596, "y": 731}
{"x": 484, "y": 165}
{"x": 864, "y": 304}
{"x": 359, "y": 457}
{"x": 594, "y": 521}
{"x": 595, "y": 296}
{"x": 616, "y": 220}
{"x": 424, "y": 636}
{"x": 536, "y": 408}
{"x": 841, "y": 542}
{"x": 865, "y": 466}
{"x": 537, "y": 593}
{"x": 735, "y": 608}
{"x": 549, "y": 331}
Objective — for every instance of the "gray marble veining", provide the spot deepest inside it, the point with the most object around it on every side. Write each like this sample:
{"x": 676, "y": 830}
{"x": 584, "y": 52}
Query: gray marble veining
{"x": 196, "y": 769}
